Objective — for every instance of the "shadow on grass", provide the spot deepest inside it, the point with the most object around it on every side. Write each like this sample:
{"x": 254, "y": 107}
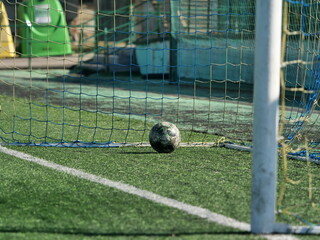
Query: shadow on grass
{"x": 138, "y": 153}
{"x": 122, "y": 234}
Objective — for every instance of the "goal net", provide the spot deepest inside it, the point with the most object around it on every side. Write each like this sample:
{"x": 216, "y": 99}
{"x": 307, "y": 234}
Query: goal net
{"x": 299, "y": 124}
{"x": 132, "y": 64}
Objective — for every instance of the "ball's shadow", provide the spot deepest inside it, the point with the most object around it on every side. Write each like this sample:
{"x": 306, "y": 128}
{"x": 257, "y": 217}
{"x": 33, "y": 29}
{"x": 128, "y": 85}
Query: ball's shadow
{"x": 137, "y": 153}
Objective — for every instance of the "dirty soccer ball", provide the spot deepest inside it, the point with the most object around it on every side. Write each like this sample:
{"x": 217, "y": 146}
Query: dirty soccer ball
{"x": 164, "y": 137}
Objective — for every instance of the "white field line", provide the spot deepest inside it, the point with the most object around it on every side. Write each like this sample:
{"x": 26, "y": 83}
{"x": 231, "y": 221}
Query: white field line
{"x": 279, "y": 237}
{"x": 190, "y": 209}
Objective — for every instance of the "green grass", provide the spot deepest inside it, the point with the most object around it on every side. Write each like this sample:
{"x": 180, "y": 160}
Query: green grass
{"x": 39, "y": 203}
{"x": 184, "y": 175}
{"x": 39, "y": 200}
{"x": 39, "y": 236}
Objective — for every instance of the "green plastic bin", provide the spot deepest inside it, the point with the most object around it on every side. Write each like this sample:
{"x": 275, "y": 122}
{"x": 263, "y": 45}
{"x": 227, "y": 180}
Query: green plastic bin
{"x": 43, "y": 29}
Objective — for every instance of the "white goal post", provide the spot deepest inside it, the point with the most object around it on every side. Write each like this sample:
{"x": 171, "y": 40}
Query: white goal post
{"x": 266, "y": 103}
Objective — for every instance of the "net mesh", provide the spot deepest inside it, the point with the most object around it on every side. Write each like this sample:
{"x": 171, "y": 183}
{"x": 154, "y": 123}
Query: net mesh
{"x": 132, "y": 64}
{"x": 299, "y": 113}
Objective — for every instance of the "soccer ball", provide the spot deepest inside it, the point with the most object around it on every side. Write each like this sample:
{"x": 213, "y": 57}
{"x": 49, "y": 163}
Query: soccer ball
{"x": 164, "y": 137}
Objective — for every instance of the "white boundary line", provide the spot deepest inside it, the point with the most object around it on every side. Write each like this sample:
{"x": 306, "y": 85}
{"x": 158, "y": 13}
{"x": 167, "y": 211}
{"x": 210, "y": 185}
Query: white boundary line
{"x": 190, "y": 209}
